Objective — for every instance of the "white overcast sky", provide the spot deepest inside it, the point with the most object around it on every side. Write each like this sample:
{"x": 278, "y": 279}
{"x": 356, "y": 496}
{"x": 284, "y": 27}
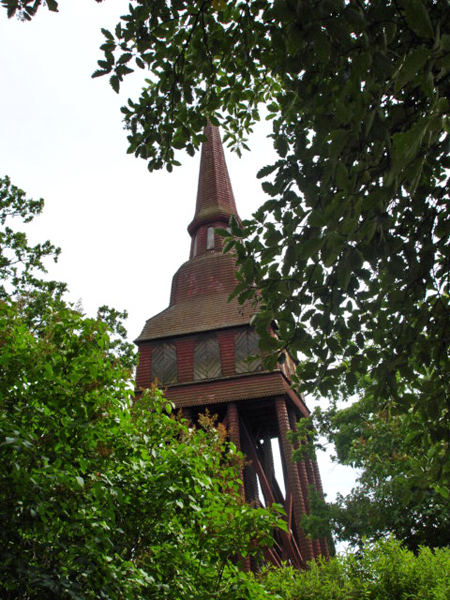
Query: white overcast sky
{"x": 122, "y": 230}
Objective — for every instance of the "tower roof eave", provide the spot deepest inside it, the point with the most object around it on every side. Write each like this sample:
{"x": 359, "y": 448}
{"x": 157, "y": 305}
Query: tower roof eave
{"x": 216, "y": 312}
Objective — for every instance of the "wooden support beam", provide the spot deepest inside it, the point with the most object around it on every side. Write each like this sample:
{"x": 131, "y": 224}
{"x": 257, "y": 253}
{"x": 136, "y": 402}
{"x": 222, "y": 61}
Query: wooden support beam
{"x": 294, "y": 484}
{"x": 251, "y": 453}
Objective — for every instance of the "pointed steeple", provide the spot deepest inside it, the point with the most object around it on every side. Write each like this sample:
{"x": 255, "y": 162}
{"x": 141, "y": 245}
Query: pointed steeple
{"x": 202, "y": 285}
{"x": 215, "y": 199}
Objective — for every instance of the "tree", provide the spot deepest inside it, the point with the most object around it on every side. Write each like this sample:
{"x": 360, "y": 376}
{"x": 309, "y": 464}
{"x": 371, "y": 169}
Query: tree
{"x": 350, "y": 255}
{"x": 25, "y": 10}
{"x": 97, "y": 500}
{"x": 101, "y": 496}
{"x": 388, "y": 498}
{"x": 19, "y": 261}
{"x": 378, "y": 571}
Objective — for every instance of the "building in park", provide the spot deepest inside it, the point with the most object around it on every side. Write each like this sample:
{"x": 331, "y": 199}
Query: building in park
{"x": 198, "y": 349}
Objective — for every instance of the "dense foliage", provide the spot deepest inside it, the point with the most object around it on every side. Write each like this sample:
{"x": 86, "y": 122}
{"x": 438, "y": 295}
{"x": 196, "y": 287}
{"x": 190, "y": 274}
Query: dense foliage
{"x": 379, "y": 571}
{"x": 99, "y": 498}
{"x": 389, "y": 498}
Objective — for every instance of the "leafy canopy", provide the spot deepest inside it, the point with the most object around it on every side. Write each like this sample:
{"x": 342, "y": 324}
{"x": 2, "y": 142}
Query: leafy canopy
{"x": 350, "y": 255}
{"x": 391, "y": 496}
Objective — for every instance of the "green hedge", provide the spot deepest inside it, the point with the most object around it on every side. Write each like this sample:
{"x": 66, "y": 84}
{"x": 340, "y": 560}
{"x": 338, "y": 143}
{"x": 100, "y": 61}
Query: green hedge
{"x": 380, "y": 571}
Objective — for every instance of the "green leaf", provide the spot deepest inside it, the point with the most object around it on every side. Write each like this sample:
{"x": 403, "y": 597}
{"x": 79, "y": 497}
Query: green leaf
{"x": 338, "y": 138}
{"x": 355, "y": 259}
{"x": 99, "y": 73}
{"x": 317, "y": 218}
{"x": 52, "y": 5}
{"x": 125, "y": 58}
{"x": 281, "y": 145}
{"x": 410, "y": 66}
{"x": 418, "y": 18}
{"x": 310, "y": 248}
{"x": 344, "y": 274}
{"x": 107, "y": 34}
{"x": 342, "y": 180}
{"x": 114, "y": 82}
{"x": 48, "y": 370}
{"x": 266, "y": 171}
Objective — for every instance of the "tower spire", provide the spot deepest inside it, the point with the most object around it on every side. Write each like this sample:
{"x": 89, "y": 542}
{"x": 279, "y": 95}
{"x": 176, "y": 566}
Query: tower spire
{"x": 203, "y": 284}
{"x": 215, "y": 199}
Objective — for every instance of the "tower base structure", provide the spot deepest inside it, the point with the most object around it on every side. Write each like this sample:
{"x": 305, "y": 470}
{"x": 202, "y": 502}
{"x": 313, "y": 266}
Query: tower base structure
{"x": 259, "y": 427}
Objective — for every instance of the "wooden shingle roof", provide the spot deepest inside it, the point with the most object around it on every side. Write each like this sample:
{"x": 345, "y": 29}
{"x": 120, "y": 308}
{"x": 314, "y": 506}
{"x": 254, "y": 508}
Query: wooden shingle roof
{"x": 215, "y": 199}
{"x": 202, "y": 285}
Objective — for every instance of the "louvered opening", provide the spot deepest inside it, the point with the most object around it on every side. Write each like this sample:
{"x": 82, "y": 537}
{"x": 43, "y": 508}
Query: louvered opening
{"x": 246, "y": 350}
{"x": 207, "y": 358}
{"x": 164, "y": 363}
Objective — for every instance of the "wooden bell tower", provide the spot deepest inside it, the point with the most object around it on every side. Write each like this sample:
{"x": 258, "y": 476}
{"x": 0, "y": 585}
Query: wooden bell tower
{"x": 199, "y": 349}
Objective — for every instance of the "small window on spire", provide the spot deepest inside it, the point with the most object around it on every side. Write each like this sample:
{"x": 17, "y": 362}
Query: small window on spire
{"x": 210, "y": 239}
{"x": 194, "y": 250}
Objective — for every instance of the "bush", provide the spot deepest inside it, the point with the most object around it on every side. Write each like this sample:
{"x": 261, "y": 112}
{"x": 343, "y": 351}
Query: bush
{"x": 381, "y": 571}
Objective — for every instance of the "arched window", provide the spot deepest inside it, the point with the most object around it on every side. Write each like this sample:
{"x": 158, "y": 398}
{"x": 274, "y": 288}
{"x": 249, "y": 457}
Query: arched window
{"x": 164, "y": 363}
{"x": 207, "y": 358}
{"x": 210, "y": 238}
{"x": 245, "y": 347}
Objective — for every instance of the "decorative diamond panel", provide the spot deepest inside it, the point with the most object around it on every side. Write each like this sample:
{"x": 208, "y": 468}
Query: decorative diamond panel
{"x": 207, "y": 358}
{"x": 164, "y": 363}
{"x": 245, "y": 348}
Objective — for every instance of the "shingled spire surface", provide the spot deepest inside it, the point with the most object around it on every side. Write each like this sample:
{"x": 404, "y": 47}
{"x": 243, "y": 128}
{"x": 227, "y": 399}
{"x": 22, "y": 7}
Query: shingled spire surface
{"x": 202, "y": 285}
{"x": 215, "y": 200}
